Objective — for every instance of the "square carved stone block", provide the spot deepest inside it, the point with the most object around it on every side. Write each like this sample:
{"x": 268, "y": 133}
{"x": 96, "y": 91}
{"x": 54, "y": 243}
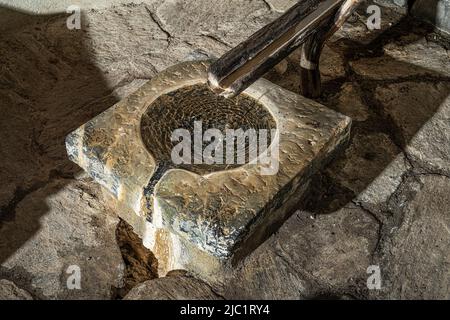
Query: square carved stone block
{"x": 200, "y": 216}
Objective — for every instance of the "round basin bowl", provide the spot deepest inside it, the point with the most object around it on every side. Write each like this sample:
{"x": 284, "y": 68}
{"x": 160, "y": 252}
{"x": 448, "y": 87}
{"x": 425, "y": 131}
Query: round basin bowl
{"x": 187, "y": 115}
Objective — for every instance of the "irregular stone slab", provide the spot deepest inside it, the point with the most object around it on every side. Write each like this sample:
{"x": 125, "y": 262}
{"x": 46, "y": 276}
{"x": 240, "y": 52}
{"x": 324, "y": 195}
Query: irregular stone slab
{"x": 414, "y": 255}
{"x": 225, "y": 213}
{"x": 331, "y": 64}
{"x": 405, "y": 58}
{"x": 377, "y": 194}
{"x": 356, "y": 30}
{"x": 308, "y": 256}
{"x": 65, "y": 225}
{"x": 350, "y": 103}
{"x": 47, "y": 7}
{"x": 281, "y": 5}
{"x": 172, "y": 288}
{"x": 422, "y": 120}
{"x": 365, "y": 159}
{"x": 420, "y": 53}
{"x": 9, "y": 291}
{"x": 250, "y": 16}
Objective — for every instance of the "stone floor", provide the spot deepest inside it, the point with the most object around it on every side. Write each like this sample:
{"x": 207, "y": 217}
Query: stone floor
{"x": 385, "y": 201}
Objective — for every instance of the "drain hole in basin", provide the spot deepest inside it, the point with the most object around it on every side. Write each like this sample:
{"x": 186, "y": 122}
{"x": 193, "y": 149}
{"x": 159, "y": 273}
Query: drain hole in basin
{"x": 190, "y": 105}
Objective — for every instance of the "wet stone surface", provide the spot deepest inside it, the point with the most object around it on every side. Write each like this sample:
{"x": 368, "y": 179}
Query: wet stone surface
{"x": 395, "y": 216}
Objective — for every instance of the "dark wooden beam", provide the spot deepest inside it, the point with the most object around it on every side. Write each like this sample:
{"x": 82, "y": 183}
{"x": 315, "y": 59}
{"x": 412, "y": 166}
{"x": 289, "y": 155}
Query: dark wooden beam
{"x": 250, "y": 60}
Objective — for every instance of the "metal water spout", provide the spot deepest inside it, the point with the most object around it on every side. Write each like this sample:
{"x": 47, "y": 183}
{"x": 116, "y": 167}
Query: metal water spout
{"x": 308, "y": 24}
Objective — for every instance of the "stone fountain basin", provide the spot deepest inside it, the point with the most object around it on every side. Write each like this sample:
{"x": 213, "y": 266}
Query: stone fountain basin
{"x": 224, "y": 212}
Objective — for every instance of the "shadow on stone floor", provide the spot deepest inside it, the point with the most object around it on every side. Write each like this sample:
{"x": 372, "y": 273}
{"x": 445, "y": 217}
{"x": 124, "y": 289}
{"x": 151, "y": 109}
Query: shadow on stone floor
{"x": 388, "y": 128}
{"x": 315, "y": 245}
{"x": 48, "y": 87}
